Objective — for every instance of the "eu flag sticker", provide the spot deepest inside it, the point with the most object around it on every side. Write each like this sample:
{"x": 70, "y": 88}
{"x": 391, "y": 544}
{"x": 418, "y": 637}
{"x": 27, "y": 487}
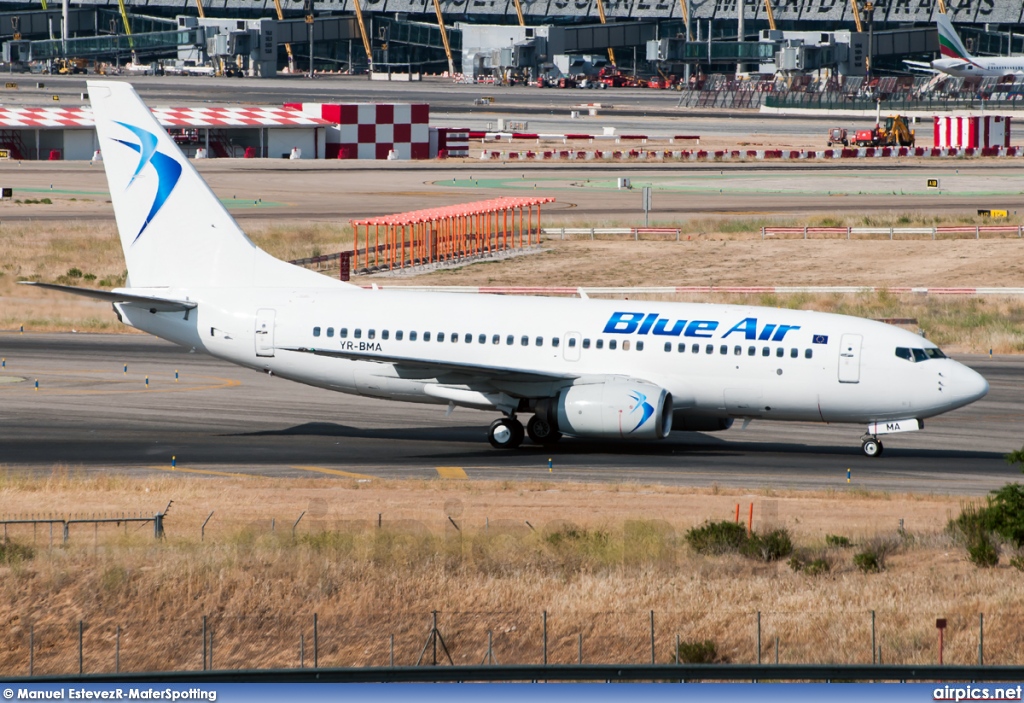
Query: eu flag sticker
{"x": 820, "y": 339}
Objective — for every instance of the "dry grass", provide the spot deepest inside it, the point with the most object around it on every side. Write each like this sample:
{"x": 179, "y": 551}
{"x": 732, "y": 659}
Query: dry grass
{"x": 260, "y": 588}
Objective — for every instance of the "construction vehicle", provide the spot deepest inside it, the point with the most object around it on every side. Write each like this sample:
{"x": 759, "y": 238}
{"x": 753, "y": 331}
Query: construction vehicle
{"x": 893, "y": 132}
{"x": 838, "y": 135}
{"x": 69, "y": 66}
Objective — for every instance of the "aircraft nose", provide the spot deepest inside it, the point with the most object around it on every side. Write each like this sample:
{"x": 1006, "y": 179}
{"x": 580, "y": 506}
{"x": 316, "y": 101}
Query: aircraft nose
{"x": 970, "y": 385}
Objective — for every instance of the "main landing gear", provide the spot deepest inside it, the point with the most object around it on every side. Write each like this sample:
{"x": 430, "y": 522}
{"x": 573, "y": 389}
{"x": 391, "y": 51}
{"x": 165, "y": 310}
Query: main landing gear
{"x": 871, "y": 446}
{"x": 508, "y": 432}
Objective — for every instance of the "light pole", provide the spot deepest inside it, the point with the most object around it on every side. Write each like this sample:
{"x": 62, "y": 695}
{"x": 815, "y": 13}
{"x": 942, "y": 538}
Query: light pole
{"x": 308, "y": 7}
{"x": 869, "y": 8}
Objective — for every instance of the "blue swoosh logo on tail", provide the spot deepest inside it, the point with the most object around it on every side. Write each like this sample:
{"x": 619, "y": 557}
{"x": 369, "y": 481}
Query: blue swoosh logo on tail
{"x": 641, "y": 404}
{"x": 168, "y": 170}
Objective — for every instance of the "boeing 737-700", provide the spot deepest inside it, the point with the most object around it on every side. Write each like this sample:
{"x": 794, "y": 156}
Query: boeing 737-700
{"x": 957, "y": 61}
{"x": 604, "y": 369}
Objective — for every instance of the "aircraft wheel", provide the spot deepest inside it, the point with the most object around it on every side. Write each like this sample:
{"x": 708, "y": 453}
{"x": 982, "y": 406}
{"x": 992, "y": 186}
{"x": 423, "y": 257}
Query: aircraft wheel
{"x": 505, "y": 433}
{"x": 541, "y": 431}
{"x": 872, "y": 447}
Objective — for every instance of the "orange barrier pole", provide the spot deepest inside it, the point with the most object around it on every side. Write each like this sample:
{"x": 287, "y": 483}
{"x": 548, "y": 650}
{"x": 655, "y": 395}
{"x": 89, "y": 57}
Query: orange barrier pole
{"x": 504, "y": 228}
{"x": 355, "y": 246}
{"x": 737, "y": 512}
{"x": 520, "y": 226}
{"x": 538, "y": 223}
{"x": 750, "y": 521}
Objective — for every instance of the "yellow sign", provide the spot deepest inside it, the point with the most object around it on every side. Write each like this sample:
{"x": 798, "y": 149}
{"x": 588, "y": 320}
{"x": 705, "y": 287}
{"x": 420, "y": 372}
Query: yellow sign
{"x": 993, "y": 213}
{"x": 56, "y": 97}
{"x": 5, "y": 154}
{"x": 11, "y": 86}
{"x": 933, "y": 182}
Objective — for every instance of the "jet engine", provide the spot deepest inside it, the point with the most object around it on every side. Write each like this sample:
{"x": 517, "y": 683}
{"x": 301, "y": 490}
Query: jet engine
{"x": 612, "y": 410}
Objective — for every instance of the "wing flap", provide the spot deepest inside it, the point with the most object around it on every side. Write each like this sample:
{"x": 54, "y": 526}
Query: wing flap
{"x": 494, "y": 372}
{"x": 151, "y": 302}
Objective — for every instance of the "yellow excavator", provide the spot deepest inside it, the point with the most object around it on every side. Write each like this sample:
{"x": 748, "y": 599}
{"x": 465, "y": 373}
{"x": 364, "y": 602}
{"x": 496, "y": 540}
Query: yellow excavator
{"x": 893, "y": 132}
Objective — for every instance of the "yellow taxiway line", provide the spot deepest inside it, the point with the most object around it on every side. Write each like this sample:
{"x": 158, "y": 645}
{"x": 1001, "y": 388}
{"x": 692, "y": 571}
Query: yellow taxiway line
{"x": 334, "y": 472}
{"x": 453, "y": 472}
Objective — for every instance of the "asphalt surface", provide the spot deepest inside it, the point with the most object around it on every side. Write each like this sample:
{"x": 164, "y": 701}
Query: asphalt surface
{"x": 218, "y": 418}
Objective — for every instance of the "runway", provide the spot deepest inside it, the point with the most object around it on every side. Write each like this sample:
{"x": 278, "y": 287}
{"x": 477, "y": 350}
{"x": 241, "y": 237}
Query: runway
{"x": 218, "y": 419}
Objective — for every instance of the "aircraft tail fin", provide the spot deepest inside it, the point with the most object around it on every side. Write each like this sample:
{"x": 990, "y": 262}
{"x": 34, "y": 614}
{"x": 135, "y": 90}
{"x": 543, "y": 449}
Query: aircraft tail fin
{"x": 174, "y": 230}
{"x": 950, "y": 45}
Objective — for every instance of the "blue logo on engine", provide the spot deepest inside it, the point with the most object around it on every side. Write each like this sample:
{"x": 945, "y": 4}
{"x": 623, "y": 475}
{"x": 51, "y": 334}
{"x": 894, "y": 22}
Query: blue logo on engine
{"x": 641, "y": 404}
{"x": 168, "y": 170}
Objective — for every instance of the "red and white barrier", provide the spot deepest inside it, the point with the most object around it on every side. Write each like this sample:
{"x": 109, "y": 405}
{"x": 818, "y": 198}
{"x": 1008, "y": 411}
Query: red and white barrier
{"x": 750, "y": 154}
{"x": 373, "y": 130}
{"x": 972, "y": 132}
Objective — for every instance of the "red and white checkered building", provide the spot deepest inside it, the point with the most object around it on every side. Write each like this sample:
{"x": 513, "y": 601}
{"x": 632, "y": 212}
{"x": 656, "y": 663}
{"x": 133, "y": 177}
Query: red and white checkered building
{"x": 972, "y": 132}
{"x": 68, "y": 133}
{"x": 373, "y": 130}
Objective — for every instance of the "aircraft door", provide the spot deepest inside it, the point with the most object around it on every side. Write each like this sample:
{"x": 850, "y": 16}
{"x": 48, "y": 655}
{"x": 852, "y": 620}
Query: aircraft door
{"x": 265, "y": 332}
{"x": 571, "y": 346}
{"x": 849, "y": 358}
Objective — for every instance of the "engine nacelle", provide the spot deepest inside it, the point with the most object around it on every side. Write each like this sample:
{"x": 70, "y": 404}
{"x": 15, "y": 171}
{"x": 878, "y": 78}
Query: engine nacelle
{"x": 615, "y": 410}
{"x": 690, "y": 422}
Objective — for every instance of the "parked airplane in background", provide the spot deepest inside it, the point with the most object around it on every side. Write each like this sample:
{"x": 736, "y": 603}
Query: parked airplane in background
{"x": 586, "y": 368}
{"x": 956, "y": 61}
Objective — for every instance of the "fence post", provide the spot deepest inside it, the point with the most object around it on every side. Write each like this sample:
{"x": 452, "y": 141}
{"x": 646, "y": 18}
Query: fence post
{"x": 545, "y": 616}
{"x": 805, "y": 233}
{"x": 31, "y": 649}
{"x": 890, "y": 234}
{"x": 302, "y": 651}
{"x": 849, "y": 231}
{"x": 758, "y": 636}
{"x": 762, "y": 233}
{"x": 81, "y": 627}
{"x": 977, "y": 231}
{"x": 117, "y": 651}
{"x": 873, "y": 660}
{"x": 981, "y": 639}
{"x": 652, "y": 637}
{"x": 316, "y": 643}
{"x": 204, "y": 643}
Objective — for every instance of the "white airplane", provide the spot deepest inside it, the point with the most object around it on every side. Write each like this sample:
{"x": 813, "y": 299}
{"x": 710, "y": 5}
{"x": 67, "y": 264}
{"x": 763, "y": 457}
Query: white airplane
{"x": 957, "y": 61}
{"x": 597, "y": 369}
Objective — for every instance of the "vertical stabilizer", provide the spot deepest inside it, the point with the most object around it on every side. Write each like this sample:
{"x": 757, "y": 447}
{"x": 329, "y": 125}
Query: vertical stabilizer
{"x": 174, "y": 231}
{"x": 950, "y": 45}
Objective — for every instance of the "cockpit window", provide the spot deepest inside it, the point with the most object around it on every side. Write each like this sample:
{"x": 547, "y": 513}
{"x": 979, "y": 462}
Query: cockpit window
{"x": 918, "y": 355}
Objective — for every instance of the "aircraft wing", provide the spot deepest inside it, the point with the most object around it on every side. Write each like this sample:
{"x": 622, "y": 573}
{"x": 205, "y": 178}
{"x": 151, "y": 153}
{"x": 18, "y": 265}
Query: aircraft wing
{"x": 153, "y": 303}
{"x": 502, "y": 373}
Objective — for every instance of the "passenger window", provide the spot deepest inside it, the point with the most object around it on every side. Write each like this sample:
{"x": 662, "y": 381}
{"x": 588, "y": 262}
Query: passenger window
{"x": 554, "y": 341}
{"x": 496, "y": 339}
{"x": 725, "y": 350}
{"x": 766, "y": 352}
{"x": 455, "y": 337}
{"x": 524, "y": 341}
{"x": 808, "y": 353}
{"x": 572, "y": 342}
{"x": 539, "y": 342}
{"x": 780, "y": 352}
{"x": 482, "y": 339}
{"x": 358, "y": 333}
{"x": 682, "y": 347}
{"x": 510, "y": 340}
{"x": 668, "y": 346}
{"x": 612, "y": 343}
{"x": 440, "y": 336}
{"x": 384, "y": 334}
{"x": 398, "y": 336}
{"x": 426, "y": 336}
{"x": 919, "y": 355}
{"x": 412, "y": 336}
{"x": 903, "y": 353}
{"x": 695, "y": 349}
{"x": 330, "y": 331}
{"x": 737, "y": 350}
{"x": 343, "y": 332}
{"x": 586, "y": 344}
{"x": 794, "y": 353}
{"x": 468, "y": 338}
{"x": 710, "y": 349}
{"x": 600, "y": 344}
{"x": 751, "y": 351}
{"x": 640, "y": 345}
{"x": 371, "y": 334}
{"x": 316, "y": 331}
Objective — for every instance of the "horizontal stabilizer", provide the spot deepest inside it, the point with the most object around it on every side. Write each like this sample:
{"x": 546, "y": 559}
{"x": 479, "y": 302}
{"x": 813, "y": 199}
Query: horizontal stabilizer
{"x": 153, "y": 303}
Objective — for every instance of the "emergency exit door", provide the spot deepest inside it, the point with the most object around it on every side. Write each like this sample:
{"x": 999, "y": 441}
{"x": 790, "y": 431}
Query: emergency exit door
{"x": 265, "y": 332}
{"x": 849, "y": 358}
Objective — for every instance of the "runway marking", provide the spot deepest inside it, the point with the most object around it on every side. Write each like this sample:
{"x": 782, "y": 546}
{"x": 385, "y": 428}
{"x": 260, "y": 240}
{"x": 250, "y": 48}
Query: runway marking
{"x": 121, "y": 384}
{"x": 452, "y": 472}
{"x": 334, "y": 472}
{"x": 207, "y": 472}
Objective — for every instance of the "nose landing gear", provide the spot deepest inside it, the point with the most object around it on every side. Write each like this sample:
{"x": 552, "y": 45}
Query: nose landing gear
{"x": 506, "y": 433}
{"x": 871, "y": 446}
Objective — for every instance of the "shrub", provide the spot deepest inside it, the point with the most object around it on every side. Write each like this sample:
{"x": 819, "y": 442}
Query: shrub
{"x": 704, "y": 652}
{"x": 12, "y": 552}
{"x": 74, "y": 273}
{"x": 867, "y": 562}
{"x": 717, "y": 537}
{"x": 812, "y": 565}
{"x": 872, "y": 558}
{"x": 837, "y": 541}
{"x": 771, "y": 546}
